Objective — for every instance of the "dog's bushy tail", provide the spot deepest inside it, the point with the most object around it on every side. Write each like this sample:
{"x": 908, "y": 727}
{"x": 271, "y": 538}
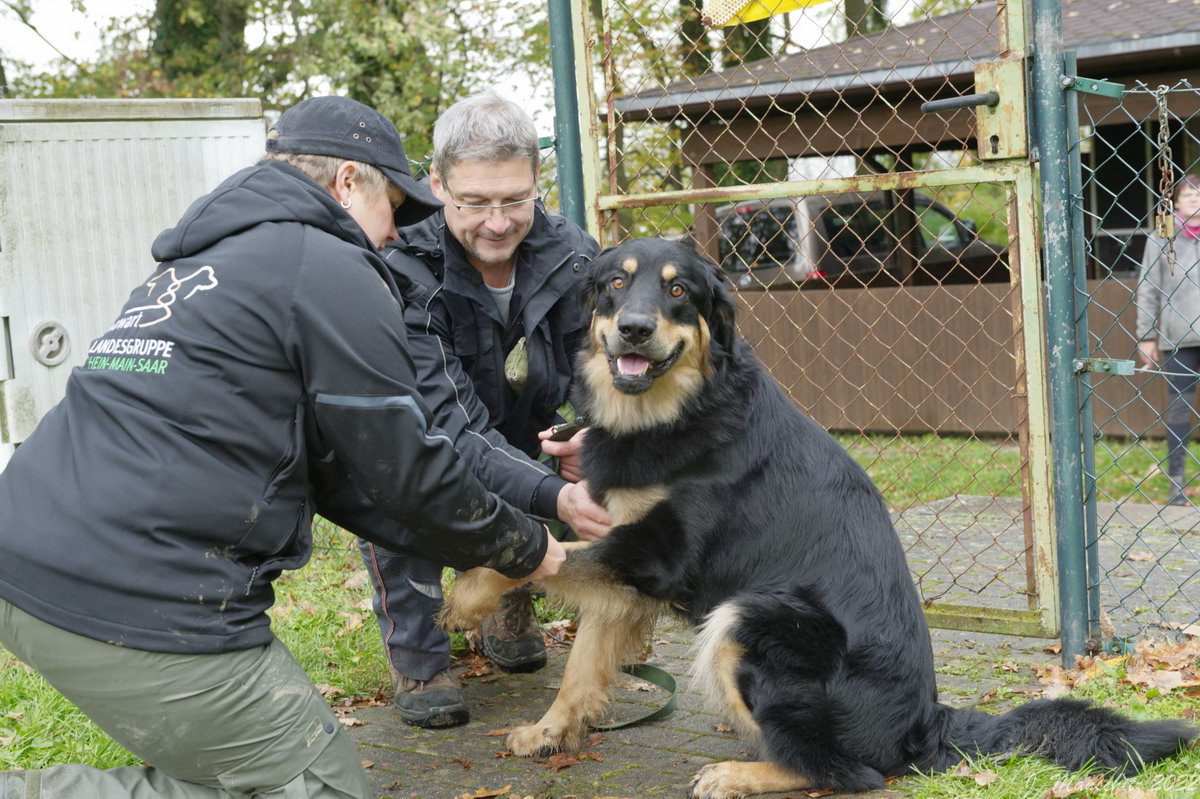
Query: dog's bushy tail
{"x": 1074, "y": 734}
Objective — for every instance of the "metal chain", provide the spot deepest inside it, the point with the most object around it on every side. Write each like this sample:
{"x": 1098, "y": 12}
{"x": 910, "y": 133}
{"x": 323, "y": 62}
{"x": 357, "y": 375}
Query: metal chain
{"x": 1164, "y": 221}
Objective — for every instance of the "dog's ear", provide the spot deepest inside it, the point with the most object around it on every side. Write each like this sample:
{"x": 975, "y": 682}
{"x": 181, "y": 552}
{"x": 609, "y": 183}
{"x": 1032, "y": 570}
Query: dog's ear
{"x": 721, "y": 310}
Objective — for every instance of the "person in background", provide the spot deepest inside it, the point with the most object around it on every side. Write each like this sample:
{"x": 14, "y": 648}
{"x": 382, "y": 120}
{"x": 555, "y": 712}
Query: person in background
{"x": 260, "y": 368}
{"x": 1168, "y": 324}
{"x": 494, "y": 320}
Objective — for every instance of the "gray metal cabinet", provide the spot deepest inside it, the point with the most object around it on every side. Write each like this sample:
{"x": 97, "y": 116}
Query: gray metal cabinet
{"x": 85, "y": 186}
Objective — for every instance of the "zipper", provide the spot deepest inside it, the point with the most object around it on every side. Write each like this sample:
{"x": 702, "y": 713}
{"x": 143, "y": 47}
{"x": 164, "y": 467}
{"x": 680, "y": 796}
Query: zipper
{"x": 538, "y": 286}
{"x": 250, "y": 582}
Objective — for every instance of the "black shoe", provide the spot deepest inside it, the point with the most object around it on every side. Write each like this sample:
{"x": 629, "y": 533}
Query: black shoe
{"x": 511, "y": 638}
{"x": 436, "y": 702}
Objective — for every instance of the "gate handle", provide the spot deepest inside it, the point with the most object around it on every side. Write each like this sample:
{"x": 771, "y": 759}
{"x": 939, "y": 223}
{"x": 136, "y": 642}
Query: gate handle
{"x": 964, "y": 101}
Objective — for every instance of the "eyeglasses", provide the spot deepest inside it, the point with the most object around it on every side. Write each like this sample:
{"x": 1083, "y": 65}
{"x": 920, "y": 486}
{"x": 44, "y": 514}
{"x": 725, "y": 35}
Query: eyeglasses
{"x": 515, "y": 208}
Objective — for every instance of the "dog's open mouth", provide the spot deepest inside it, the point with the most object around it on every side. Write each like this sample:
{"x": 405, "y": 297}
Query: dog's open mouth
{"x": 634, "y": 373}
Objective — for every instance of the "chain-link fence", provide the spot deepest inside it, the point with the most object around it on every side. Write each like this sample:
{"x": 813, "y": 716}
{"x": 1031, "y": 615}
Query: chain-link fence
{"x": 876, "y": 249}
{"x": 1141, "y": 291}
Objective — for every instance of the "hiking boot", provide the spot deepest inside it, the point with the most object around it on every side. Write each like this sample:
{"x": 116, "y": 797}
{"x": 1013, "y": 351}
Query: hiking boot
{"x": 436, "y": 702}
{"x": 510, "y": 637}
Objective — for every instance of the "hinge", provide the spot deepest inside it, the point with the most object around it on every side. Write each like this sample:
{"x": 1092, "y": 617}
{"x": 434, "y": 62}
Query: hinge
{"x": 1103, "y": 88}
{"x": 1108, "y": 366}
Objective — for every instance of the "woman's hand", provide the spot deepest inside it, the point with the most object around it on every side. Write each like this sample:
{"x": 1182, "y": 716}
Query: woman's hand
{"x": 1148, "y": 350}
{"x": 552, "y": 561}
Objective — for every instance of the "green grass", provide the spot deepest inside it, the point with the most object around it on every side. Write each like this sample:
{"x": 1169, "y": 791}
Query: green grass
{"x": 323, "y": 615}
{"x": 917, "y": 469}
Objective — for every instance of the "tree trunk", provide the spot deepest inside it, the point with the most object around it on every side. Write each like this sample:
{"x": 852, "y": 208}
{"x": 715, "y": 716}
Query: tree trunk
{"x": 864, "y": 16}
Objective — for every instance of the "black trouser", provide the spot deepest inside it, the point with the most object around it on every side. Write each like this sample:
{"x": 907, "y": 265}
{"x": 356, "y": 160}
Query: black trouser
{"x": 1182, "y": 369}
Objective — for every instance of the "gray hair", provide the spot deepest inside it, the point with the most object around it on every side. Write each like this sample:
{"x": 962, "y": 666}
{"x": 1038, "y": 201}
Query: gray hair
{"x": 483, "y": 127}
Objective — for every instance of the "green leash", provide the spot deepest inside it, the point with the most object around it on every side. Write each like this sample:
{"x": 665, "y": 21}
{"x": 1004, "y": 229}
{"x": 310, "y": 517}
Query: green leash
{"x": 651, "y": 674}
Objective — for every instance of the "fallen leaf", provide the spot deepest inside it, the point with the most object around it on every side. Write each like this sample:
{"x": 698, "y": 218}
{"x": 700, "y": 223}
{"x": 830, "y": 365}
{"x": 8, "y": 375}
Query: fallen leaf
{"x": 562, "y": 760}
{"x": 16, "y": 714}
{"x": 350, "y": 721}
{"x": 328, "y": 691}
{"x": 495, "y": 733}
{"x": 722, "y": 727}
{"x": 821, "y": 792}
{"x": 503, "y": 754}
{"x": 1191, "y": 630}
{"x": 1053, "y": 649}
{"x": 1141, "y": 556}
{"x": 356, "y": 581}
{"x": 6, "y": 740}
{"x": 986, "y": 778}
{"x": 368, "y": 764}
{"x": 353, "y": 622}
{"x": 483, "y": 793}
{"x": 462, "y": 761}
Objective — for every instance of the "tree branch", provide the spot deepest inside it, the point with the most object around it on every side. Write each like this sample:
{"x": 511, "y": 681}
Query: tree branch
{"x": 23, "y": 15}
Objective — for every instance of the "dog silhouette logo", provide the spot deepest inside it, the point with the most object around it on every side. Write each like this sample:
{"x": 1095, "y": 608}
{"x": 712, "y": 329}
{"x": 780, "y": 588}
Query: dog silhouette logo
{"x": 169, "y": 284}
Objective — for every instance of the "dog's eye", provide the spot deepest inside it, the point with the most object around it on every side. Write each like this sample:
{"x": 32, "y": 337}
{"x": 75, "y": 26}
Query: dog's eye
{"x": 676, "y": 290}
{"x": 617, "y": 283}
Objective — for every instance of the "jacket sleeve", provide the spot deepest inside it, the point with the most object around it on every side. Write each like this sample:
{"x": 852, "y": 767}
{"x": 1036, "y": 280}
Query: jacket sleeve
{"x": 457, "y": 408}
{"x": 347, "y": 341}
{"x": 1149, "y": 289}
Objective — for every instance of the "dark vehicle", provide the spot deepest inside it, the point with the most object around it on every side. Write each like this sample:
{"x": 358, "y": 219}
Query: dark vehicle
{"x": 852, "y": 241}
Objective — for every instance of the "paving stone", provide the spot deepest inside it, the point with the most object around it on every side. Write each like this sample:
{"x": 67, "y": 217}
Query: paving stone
{"x": 655, "y": 759}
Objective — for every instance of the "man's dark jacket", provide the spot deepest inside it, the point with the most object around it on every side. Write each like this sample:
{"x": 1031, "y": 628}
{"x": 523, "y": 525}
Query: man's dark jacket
{"x": 262, "y": 363}
{"x": 460, "y": 342}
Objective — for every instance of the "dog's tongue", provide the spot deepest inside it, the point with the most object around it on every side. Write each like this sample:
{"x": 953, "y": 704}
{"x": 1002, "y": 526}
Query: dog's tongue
{"x": 632, "y": 364}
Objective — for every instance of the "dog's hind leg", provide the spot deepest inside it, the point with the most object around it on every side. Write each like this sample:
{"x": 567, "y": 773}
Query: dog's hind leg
{"x": 734, "y": 779}
{"x": 613, "y": 622}
{"x": 714, "y": 674}
{"x": 766, "y": 661}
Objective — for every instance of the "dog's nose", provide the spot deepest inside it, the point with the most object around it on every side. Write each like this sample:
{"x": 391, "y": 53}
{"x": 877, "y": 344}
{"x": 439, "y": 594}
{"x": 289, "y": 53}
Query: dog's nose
{"x": 636, "y": 328}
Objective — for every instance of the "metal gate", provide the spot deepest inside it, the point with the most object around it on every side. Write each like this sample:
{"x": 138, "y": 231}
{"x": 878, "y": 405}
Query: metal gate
{"x": 1133, "y": 150}
{"x": 869, "y": 192}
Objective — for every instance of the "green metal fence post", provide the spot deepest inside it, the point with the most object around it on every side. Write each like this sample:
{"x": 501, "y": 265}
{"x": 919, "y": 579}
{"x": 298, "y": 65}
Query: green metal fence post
{"x": 1086, "y": 420}
{"x": 566, "y": 112}
{"x": 1049, "y": 114}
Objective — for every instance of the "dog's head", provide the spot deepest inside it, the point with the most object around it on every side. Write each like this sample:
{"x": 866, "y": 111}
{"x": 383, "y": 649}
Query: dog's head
{"x": 662, "y": 324}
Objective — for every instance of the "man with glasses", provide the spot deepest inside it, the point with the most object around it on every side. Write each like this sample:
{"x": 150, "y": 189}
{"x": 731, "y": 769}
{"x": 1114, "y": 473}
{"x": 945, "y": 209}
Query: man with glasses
{"x": 492, "y": 310}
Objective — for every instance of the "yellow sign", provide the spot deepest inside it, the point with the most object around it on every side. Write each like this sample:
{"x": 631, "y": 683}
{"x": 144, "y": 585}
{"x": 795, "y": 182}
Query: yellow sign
{"x": 734, "y": 12}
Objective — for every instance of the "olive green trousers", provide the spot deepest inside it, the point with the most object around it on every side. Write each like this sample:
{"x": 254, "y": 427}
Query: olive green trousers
{"x": 238, "y": 724}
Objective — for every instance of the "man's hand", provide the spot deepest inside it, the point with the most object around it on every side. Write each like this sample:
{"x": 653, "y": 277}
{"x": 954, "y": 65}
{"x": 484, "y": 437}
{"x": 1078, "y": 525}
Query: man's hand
{"x": 552, "y": 561}
{"x": 1147, "y": 349}
{"x": 589, "y": 520}
{"x": 569, "y": 454}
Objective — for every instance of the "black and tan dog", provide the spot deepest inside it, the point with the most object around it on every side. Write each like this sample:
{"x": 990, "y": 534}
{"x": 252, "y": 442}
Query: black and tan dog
{"x": 736, "y": 510}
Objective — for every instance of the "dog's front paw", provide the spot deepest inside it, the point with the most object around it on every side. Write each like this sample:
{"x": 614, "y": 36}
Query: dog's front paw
{"x": 476, "y": 594}
{"x": 714, "y": 781}
{"x": 542, "y": 739}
